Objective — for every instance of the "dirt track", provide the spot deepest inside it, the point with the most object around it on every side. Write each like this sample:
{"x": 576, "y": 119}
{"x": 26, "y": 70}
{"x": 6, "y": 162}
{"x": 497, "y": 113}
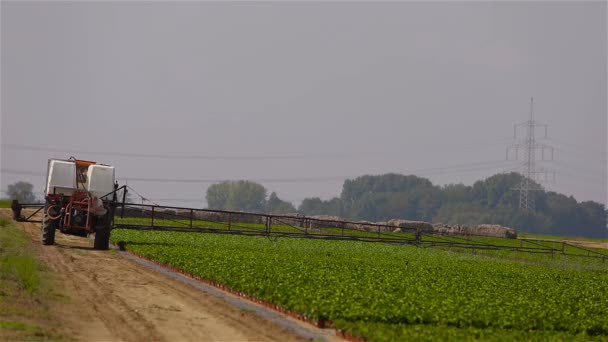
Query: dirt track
{"x": 588, "y": 244}
{"x": 110, "y": 298}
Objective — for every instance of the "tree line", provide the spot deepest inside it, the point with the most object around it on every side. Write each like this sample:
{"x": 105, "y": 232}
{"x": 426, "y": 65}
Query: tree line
{"x": 388, "y": 196}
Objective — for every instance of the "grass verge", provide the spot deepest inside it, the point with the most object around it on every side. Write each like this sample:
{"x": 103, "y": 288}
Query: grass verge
{"x": 23, "y": 313}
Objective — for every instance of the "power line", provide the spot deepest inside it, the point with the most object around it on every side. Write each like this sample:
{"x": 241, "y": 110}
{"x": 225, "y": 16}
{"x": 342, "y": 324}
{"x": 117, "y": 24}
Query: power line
{"x": 573, "y": 146}
{"x": 216, "y": 180}
{"x": 470, "y": 169}
{"x": 583, "y": 157}
{"x": 454, "y": 169}
{"x": 579, "y": 177}
{"x": 177, "y": 180}
{"x": 457, "y": 166}
{"x": 600, "y": 175}
{"x": 210, "y": 180}
{"x": 172, "y": 156}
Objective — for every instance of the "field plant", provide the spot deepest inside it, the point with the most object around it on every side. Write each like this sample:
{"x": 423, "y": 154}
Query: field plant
{"x": 386, "y": 292}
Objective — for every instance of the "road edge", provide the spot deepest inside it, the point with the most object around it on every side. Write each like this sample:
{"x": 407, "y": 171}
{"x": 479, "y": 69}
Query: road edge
{"x": 289, "y": 324}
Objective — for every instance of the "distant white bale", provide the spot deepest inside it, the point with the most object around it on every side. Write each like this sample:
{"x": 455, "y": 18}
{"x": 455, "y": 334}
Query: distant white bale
{"x": 492, "y": 230}
{"x": 420, "y": 225}
{"x": 496, "y": 230}
{"x": 327, "y": 217}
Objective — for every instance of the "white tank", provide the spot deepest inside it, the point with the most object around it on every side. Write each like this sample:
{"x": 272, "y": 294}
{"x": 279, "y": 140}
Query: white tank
{"x": 61, "y": 178}
{"x": 100, "y": 180}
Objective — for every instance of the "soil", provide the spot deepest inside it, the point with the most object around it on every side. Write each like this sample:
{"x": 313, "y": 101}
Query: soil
{"x": 588, "y": 244}
{"x": 111, "y": 298}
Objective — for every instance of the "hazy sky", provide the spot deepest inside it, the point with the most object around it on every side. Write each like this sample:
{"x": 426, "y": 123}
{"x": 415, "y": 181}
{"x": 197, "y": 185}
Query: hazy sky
{"x": 301, "y": 95}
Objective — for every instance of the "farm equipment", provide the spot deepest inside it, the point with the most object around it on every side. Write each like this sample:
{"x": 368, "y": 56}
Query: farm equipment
{"x": 80, "y": 200}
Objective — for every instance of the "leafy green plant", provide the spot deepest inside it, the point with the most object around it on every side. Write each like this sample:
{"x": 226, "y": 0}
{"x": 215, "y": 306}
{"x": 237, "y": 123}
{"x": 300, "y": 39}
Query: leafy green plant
{"x": 376, "y": 290}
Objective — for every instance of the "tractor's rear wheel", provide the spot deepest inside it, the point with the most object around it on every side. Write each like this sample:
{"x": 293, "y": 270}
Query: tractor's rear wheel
{"x": 102, "y": 235}
{"x": 48, "y": 230}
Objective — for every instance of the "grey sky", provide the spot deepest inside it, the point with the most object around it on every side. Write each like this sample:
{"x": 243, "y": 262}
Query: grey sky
{"x": 344, "y": 89}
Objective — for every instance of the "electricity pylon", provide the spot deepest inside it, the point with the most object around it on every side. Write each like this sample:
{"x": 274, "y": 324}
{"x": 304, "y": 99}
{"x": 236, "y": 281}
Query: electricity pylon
{"x": 529, "y": 146}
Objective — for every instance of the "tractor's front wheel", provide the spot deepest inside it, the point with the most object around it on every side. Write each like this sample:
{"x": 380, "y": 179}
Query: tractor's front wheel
{"x": 102, "y": 235}
{"x": 48, "y": 230}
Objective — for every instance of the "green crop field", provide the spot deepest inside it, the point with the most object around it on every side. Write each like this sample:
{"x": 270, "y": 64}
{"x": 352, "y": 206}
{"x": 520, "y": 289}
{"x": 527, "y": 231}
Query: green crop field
{"x": 501, "y": 243}
{"x": 556, "y": 245}
{"x": 383, "y": 292}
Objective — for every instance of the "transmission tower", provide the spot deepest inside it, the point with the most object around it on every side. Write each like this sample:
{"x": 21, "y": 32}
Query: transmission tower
{"x": 530, "y": 174}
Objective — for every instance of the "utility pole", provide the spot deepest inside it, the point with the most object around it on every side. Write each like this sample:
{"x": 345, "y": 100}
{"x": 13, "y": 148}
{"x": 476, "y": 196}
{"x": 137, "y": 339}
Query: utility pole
{"x": 529, "y": 172}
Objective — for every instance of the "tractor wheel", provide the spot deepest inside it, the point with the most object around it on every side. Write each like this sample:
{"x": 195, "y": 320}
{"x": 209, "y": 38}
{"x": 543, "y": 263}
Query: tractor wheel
{"x": 102, "y": 236}
{"x": 48, "y": 230}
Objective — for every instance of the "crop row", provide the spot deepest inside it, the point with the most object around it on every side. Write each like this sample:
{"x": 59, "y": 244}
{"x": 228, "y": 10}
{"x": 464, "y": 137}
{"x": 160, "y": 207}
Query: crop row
{"x": 385, "y": 292}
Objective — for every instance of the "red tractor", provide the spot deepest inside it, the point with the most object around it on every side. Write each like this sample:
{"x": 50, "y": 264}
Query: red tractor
{"x": 80, "y": 200}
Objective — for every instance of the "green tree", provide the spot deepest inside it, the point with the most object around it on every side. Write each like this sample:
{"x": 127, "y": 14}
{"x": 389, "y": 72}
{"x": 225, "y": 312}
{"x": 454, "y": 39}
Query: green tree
{"x": 594, "y": 215}
{"x": 217, "y": 195}
{"x": 453, "y": 193}
{"x": 237, "y": 195}
{"x": 316, "y": 206}
{"x": 311, "y": 206}
{"x": 354, "y": 190}
{"x": 390, "y": 196}
{"x": 275, "y": 205}
{"x": 21, "y": 191}
{"x": 566, "y": 215}
{"x": 378, "y": 198}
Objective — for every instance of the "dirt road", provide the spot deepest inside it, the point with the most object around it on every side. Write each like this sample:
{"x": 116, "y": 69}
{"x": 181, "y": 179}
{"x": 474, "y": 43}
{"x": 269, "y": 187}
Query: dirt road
{"x": 111, "y": 298}
{"x": 588, "y": 244}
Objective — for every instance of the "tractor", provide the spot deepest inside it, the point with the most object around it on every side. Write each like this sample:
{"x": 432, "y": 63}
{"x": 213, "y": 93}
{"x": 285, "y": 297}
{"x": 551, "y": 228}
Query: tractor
{"x": 80, "y": 200}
